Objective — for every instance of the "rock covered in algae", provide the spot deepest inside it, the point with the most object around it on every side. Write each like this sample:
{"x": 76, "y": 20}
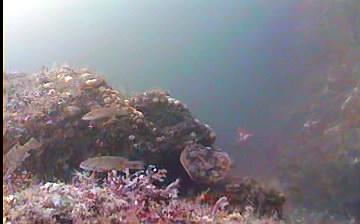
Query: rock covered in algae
{"x": 205, "y": 164}
{"x": 77, "y": 115}
{"x": 70, "y": 111}
{"x": 251, "y": 192}
{"x": 328, "y": 157}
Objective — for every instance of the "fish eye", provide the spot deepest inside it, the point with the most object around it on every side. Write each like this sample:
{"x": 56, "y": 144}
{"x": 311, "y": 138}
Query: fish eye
{"x": 152, "y": 169}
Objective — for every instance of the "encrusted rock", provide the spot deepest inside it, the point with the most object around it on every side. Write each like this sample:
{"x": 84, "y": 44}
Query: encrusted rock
{"x": 205, "y": 164}
{"x": 77, "y": 122}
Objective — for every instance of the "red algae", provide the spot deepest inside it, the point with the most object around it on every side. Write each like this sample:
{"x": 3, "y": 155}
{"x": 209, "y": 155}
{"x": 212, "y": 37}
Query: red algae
{"x": 120, "y": 199}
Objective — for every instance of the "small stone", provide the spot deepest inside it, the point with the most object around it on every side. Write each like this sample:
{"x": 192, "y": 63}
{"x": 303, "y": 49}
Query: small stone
{"x": 155, "y": 100}
{"x": 102, "y": 89}
{"x": 115, "y": 92}
{"x": 132, "y": 137}
{"x": 65, "y": 67}
{"x": 138, "y": 113}
{"x": 68, "y": 79}
{"x": 193, "y": 135}
{"x": 85, "y": 75}
{"x": 91, "y": 82}
{"x": 84, "y": 71}
{"x": 107, "y": 100}
{"x": 51, "y": 92}
{"x": 171, "y": 100}
{"x": 212, "y": 136}
{"x": 48, "y": 85}
{"x": 66, "y": 94}
{"x": 177, "y": 102}
{"x": 160, "y": 139}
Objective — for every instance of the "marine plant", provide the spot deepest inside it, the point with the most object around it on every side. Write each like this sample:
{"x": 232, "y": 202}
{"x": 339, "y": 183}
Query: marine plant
{"x": 118, "y": 198}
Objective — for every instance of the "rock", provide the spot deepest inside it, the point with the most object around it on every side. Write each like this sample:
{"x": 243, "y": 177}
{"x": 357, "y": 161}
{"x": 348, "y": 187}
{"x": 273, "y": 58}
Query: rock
{"x": 48, "y": 85}
{"x": 166, "y": 132}
{"x": 327, "y": 155}
{"x": 107, "y": 100}
{"x": 205, "y": 164}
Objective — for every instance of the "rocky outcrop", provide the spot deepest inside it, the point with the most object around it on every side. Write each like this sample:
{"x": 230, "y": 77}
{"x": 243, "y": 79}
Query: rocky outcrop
{"x": 322, "y": 154}
{"x": 73, "y": 115}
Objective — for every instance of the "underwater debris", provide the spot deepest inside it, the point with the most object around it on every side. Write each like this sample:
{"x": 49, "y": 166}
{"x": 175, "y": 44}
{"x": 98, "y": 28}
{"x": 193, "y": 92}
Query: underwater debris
{"x": 108, "y": 163}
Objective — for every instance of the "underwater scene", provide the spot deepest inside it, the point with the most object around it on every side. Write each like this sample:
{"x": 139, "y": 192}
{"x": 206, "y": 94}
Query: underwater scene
{"x": 239, "y": 112}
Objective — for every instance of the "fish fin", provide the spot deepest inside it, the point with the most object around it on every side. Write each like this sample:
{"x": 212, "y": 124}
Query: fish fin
{"x": 111, "y": 121}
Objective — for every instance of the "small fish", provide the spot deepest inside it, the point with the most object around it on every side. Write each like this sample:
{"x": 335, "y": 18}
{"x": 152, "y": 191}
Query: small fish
{"x": 104, "y": 113}
{"x": 108, "y": 163}
{"x": 243, "y": 134}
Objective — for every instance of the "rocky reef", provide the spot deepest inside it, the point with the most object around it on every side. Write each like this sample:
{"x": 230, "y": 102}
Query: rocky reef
{"x": 321, "y": 159}
{"x": 57, "y": 118}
